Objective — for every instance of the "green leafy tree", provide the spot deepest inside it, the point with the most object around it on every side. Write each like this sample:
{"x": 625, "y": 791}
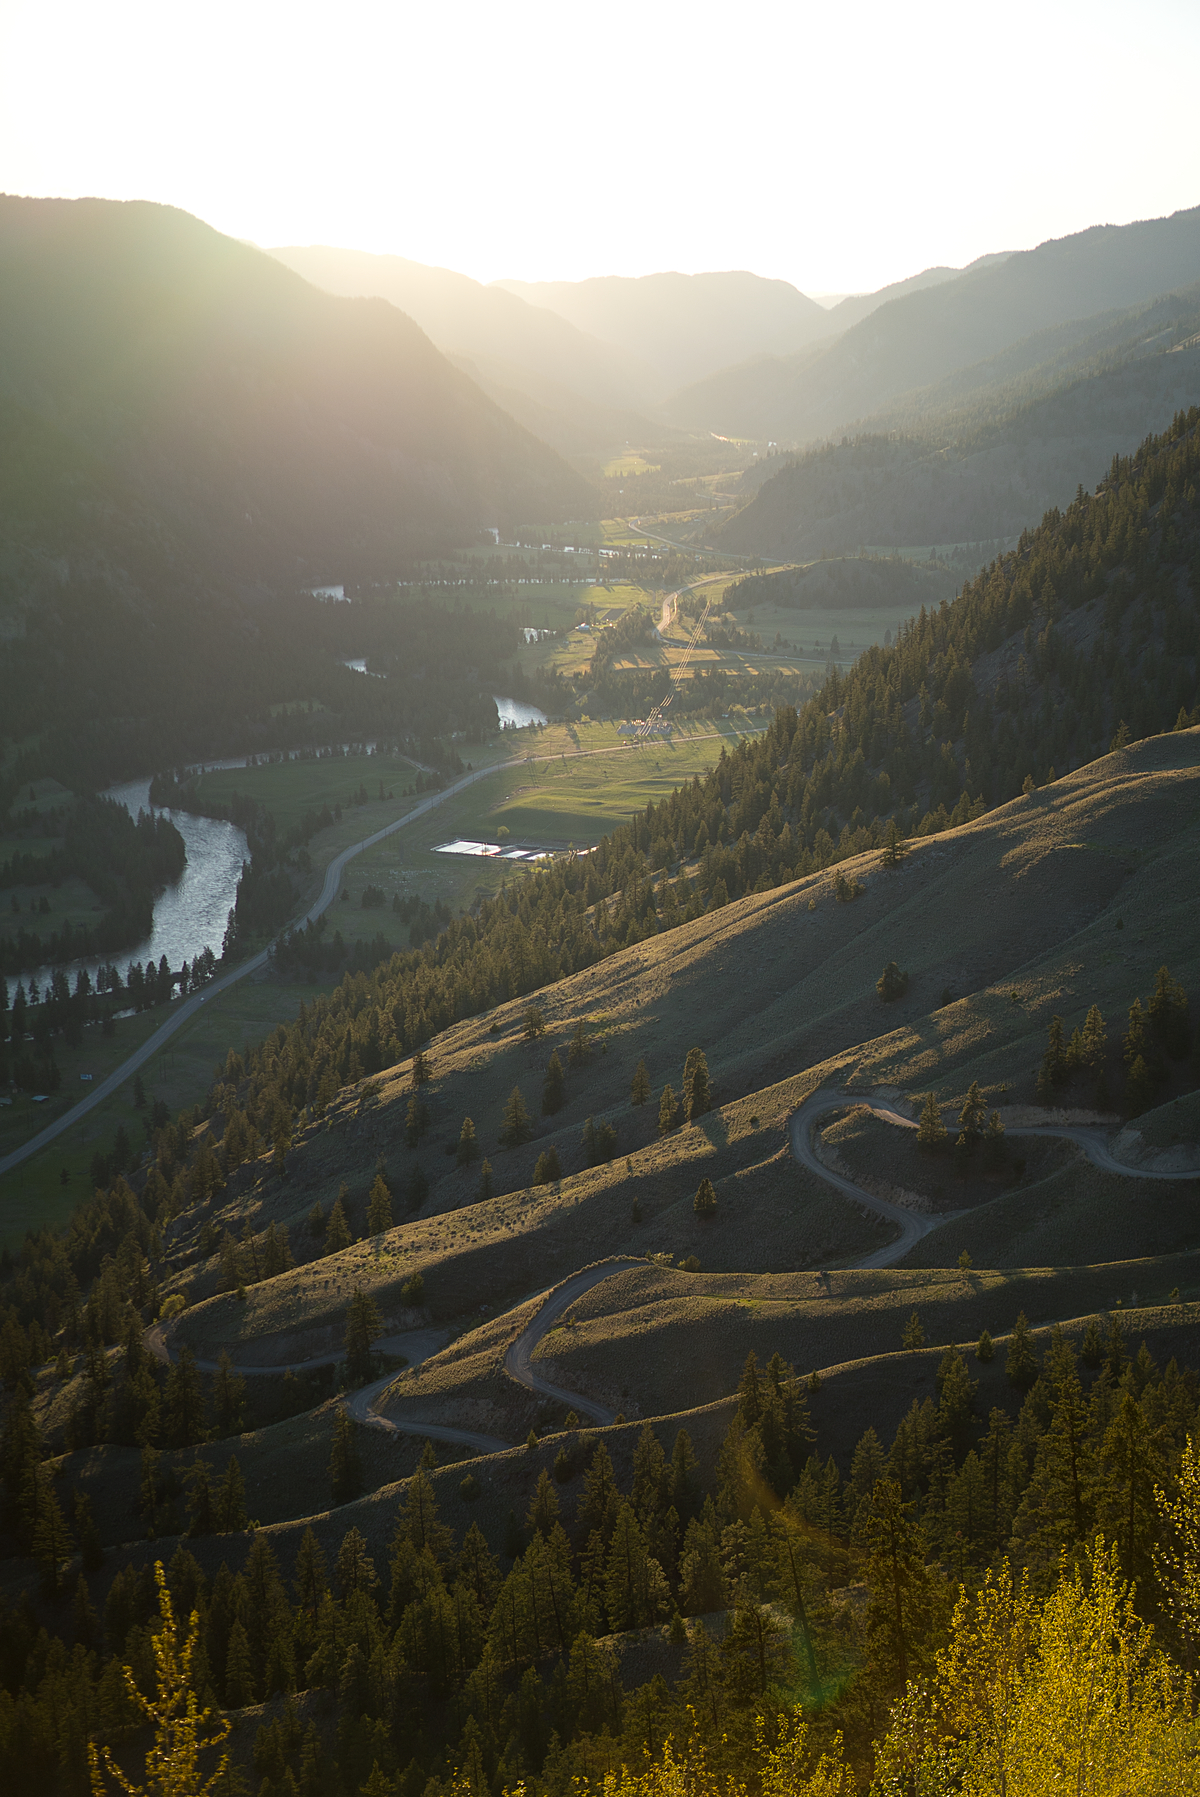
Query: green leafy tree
{"x": 639, "y": 1091}
{"x": 554, "y": 1087}
{"x": 468, "y": 1147}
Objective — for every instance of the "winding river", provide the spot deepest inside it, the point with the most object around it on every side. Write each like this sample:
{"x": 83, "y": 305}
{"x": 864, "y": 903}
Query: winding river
{"x": 190, "y": 915}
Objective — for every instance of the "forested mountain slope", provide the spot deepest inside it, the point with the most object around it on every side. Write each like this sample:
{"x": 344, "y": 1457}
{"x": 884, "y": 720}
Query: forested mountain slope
{"x": 969, "y": 460}
{"x": 925, "y": 336}
{"x": 187, "y": 399}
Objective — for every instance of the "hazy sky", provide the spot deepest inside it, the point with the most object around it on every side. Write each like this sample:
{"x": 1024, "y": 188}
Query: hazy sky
{"x": 839, "y": 146}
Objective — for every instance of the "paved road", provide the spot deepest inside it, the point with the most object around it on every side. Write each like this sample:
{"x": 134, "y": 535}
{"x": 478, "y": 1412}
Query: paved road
{"x": 329, "y": 891}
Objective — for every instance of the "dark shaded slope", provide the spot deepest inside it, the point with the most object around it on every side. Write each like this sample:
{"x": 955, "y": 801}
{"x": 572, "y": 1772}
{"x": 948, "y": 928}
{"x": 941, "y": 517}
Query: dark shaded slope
{"x": 272, "y": 431}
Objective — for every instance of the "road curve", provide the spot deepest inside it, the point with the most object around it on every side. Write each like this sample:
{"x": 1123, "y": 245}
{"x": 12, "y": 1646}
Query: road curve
{"x": 329, "y": 891}
{"x": 518, "y": 1359}
{"x": 913, "y": 1226}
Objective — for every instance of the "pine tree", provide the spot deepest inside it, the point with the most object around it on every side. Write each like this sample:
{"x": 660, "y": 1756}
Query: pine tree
{"x": 231, "y": 1500}
{"x": 1020, "y": 1366}
{"x": 202, "y": 1510}
{"x": 1168, "y": 1015}
{"x": 241, "y": 1689}
{"x": 345, "y": 1470}
{"x": 362, "y": 1326}
{"x": 971, "y": 1120}
{"x": 52, "y": 1543}
{"x": 184, "y": 1401}
{"x": 416, "y": 1121}
{"x": 553, "y": 1086}
{"x": 893, "y": 846}
{"x": 695, "y": 1084}
{"x": 901, "y": 1586}
{"x": 579, "y": 1049}
{"x": 1054, "y": 1066}
{"x": 543, "y": 1510}
{"x": 422, "y": 1072}
{"x": 1094, "y": 1041}
{"x": 705, "y": 1202}
{"x": 337, "y": 1230}
{"x": 914, "y": 1332}
{"x": 468, "y": 1147}
{"x": 379, "y": 1207}
{"x": 892, "y": 983}
{"x": 548, "y": 1168}
{"x": 668, "y": 1112}
{"x": 485, "y": 1181}
{"x": 534, "y": 1025}
{"x": 639, "y": 1091}
{"x": 517, "y": 1126}
{"x": 931, "y": 1131}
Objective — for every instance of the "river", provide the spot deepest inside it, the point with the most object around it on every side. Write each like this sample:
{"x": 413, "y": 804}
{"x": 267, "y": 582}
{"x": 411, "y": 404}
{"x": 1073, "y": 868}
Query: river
{"x": 192, "y": 914}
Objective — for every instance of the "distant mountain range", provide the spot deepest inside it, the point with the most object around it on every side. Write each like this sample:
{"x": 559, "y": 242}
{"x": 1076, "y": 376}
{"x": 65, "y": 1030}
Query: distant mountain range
{"x": 172, "y": 394}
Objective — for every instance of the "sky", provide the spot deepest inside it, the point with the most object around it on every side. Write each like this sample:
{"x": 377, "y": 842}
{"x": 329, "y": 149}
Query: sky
{"x": 836, "y": 147}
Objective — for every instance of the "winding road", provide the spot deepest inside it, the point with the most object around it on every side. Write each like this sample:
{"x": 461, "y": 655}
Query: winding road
{"x": 329, "y": 891}
{"x": 421, "y": 1344}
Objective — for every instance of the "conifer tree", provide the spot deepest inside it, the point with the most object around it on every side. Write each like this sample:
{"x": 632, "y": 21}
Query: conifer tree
{"x": 695, "y": 1084}
{"x": 548, "y": 1168}
{"x": 579, "y": 1049}
{"x": 517, "y": 1126}
{"x": 931, "y": 1131}
{"x": 639, "y": 1091}
{"x": 416, "y": 1120}
{"x": 337, "y": 1230}
{"x": 184, "y": 1401}
{"x": 553, "y": 1086}
{"x": 345, "y": 1470}
{"x": 1054, "y": 1066}
{"x": 1020, "y": 1366}
{"x": 535, "y": 1024}
{"x": 422, "y": 1072}
{"x": 362, "y": 1326}
{"x": 705, "y": 1202}
{"x": 485, "y": 1180}
{"x": 202, "y": 1510}
{"x": 543, "y": 1510}
{"x": 914, "y": 1332}
{"x": 668, "y": 1112}
{"x": 379, "y": 1207}
{"x": 52, "y": 1542}
{"x": 231, "y": 1500}
{"x": 468, "y": 1147}
{"x": 972, "y": 1119}
{"x": 241, "y": 1688}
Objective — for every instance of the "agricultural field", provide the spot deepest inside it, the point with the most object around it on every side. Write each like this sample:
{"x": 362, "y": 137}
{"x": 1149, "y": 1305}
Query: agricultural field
{"x": 289, "y": 789}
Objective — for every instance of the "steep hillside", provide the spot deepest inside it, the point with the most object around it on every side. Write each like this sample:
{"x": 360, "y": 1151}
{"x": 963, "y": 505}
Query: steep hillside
{"x": 527, "y": 345}
{"x": 684, "y": 326}
{"x": 857, "y": 306}
{"x": 190, "y": 396}
{"x": 925, "y": 336}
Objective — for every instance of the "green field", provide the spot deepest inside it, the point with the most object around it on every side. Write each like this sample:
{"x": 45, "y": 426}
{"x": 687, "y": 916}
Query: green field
{"x": 290, "y": 788}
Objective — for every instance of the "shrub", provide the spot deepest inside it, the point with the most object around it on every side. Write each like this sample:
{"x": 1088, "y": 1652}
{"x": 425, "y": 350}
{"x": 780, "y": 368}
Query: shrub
{"x": 412, "y": 1292}
{"x": 470, "y": 1489}
{"x": 892, "y": 983}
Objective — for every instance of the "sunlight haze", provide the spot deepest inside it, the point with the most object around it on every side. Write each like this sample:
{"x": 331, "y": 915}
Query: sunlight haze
{"x": 538, "y": 142}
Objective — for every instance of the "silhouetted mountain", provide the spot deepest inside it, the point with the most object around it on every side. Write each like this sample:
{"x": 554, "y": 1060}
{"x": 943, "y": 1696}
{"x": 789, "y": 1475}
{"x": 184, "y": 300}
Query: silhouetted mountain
{"x": 187, "y": 392}
{"x": 684, "y": 326}
{"x": 857, "y": 306}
